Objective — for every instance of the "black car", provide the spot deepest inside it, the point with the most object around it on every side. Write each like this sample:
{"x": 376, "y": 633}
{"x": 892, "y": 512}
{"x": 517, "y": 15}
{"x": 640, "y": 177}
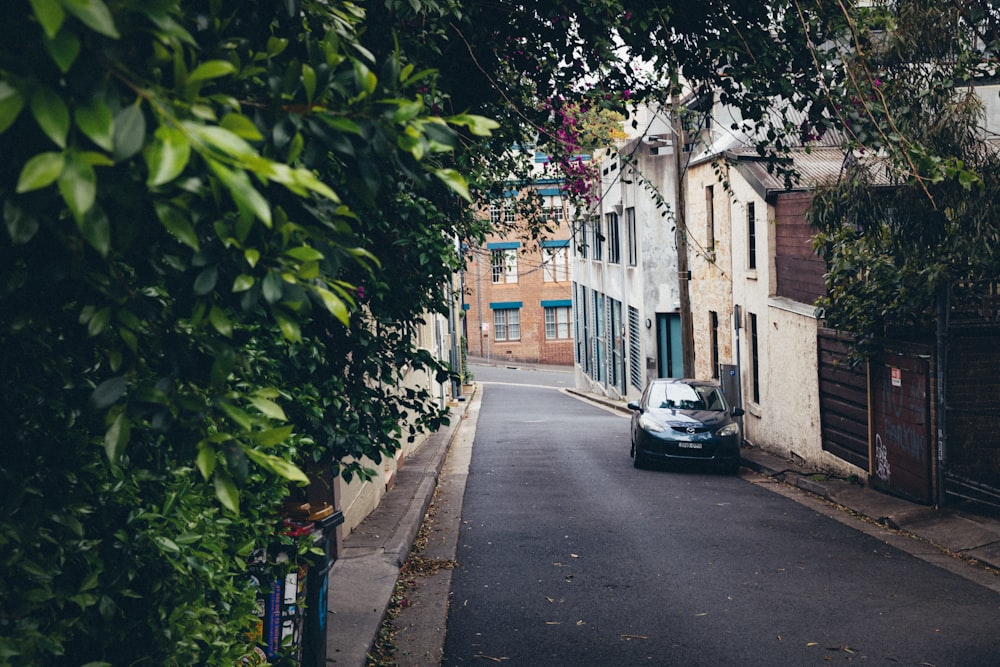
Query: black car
{"x": 685, "y": 420}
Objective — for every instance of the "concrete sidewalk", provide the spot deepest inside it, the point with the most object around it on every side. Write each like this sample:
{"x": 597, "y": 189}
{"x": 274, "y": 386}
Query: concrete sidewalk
{"x": 363, "y": 578}
{"x": 364, "y": 575}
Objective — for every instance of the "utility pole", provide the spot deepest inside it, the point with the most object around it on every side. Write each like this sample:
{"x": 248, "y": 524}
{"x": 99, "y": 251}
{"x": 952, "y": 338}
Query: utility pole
{"x": 681, "y": 237}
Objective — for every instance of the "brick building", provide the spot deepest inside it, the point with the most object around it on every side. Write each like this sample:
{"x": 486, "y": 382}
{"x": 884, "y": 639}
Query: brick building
{"x": 517, "y": 292}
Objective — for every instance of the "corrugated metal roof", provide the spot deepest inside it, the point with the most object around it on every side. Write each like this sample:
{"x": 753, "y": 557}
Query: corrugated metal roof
{"x": 818, "y": 166}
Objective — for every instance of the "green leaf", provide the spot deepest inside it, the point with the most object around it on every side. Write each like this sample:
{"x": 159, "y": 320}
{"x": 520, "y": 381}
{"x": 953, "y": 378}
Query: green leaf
{"x": 96, "y": 229}
{"x": 166, "y": 544}
{"x": 117, "y": 437}
{"x": 98, "y": 321}
{"x": 11, "y": 103}
{"x": 94, "y": 14}
{"x": 130, "y": 132}
{"x": 78, "y": 186}
{"x": 241, "y": 126}
{"x": 454, "y": 180}
{"x": 269, "y": 408}
{"x": 41, "y": 171}
{"x": 309, "y": 82}
{"x": 278, "y": 465}
{"x": 205, "y": 460}
{"x": 50, "y": 14}
{"x": 167, "y": 155}
{"x": 177, "y": 224}
{"x": 273, "y": 436}
{"x": 273, "y": 287}
{"x": 289, "y": 328}
{"x": 21, "y": 225}
{"x": 95, "y": 121}
{"x": 252, "y": 256}
{"x": 222, "y": 140}
{"x": 242, "y": 283}
{"x": 64, "y": 49}
{"x": 334, "y": 304}
{"x": 342, "y": 124}
{"x": 108, "y": 392}
{"x": 275, "y": 46}
{"x": 478, "y": 125}
{"x": 95, "y": 159}
{"x": 241, "y": 417}
{"x": 206, "y": 280}
{"x": 226, "y": 492}
{"x": 217, "y": 316}
{"x": 247, "y": 198}
{"x": 212, "y": 69}
{"x": 51, "y": 114}
{"x": 305, "y": 254}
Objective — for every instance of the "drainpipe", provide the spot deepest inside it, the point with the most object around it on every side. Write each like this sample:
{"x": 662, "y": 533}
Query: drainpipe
{"x": 737, "y": 323}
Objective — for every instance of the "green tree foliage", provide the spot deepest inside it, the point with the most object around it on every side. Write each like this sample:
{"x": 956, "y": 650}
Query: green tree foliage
{"x": 221, "y": 220}
{"x": 916, "y": 207}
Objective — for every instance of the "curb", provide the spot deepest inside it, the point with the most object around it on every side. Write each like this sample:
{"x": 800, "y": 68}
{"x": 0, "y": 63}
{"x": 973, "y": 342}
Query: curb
{"x": 363, "y": 580}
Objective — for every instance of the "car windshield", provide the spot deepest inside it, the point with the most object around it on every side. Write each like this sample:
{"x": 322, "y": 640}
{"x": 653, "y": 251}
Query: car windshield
{"x": 679, "y": 396}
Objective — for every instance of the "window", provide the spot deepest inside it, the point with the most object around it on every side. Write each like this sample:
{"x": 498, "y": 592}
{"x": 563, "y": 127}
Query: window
{"x": 557, "y": 322}
{"x": 508, "y": 212}
{"x": 754, "y": 358}
{"x": 504, "y": 265}
{"x": 710, "y": 218}
{"x": 553, "y": 209}
{"x": 555, "y": 263}
{"x": 713, "y": 319}
{"x": 507, "y": 324}
{"x": 630, "y": 237}
{"x": 614, "y": 239}
{"x": 496, "y": 213}
{"x": 751, "y": 237}
{"x": 598, "y": 238}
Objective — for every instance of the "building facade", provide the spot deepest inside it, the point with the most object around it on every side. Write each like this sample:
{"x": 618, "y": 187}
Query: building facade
{"x": 626, "y": 291}
{"x": 517, "y": 291}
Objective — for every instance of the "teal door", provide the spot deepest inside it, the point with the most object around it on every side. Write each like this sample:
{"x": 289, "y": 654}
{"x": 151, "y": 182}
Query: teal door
{"x": 669, "y": 355}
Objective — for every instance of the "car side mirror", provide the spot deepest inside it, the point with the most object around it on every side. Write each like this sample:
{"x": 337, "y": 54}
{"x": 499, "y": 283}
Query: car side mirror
{"x": 738, "y": 412}
{"x": 633, "y": 405}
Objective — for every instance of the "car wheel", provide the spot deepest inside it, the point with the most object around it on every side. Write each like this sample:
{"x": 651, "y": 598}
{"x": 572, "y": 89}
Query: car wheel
{"x": 637, "y": 461}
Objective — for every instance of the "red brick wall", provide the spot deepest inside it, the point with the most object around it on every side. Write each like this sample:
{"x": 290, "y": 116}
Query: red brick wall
{"x": 530, "y": 289}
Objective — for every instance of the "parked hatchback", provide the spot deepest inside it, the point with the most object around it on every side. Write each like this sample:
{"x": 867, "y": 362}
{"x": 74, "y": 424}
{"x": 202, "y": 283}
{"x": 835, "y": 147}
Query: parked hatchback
{"x": 685, "y": 420}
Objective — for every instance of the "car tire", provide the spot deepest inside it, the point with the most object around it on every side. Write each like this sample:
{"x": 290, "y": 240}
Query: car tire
{"x": 638, "y": 462}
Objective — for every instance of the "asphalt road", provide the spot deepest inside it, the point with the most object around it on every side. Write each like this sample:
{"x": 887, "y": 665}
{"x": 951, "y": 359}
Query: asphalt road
{"x": 569, "y": 556}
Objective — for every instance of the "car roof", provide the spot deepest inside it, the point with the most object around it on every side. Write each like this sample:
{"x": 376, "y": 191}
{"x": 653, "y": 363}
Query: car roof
{"x": 713, "y": 383}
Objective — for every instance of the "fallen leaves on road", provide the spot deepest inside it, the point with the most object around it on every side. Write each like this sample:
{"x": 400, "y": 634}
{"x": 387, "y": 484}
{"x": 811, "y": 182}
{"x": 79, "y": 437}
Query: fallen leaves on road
{"x": 627, "y": 637}
{"x": 489, "y": 657}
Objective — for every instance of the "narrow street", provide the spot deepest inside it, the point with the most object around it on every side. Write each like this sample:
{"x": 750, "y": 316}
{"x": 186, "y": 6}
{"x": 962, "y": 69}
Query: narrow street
{"x": 566, "y": 555}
